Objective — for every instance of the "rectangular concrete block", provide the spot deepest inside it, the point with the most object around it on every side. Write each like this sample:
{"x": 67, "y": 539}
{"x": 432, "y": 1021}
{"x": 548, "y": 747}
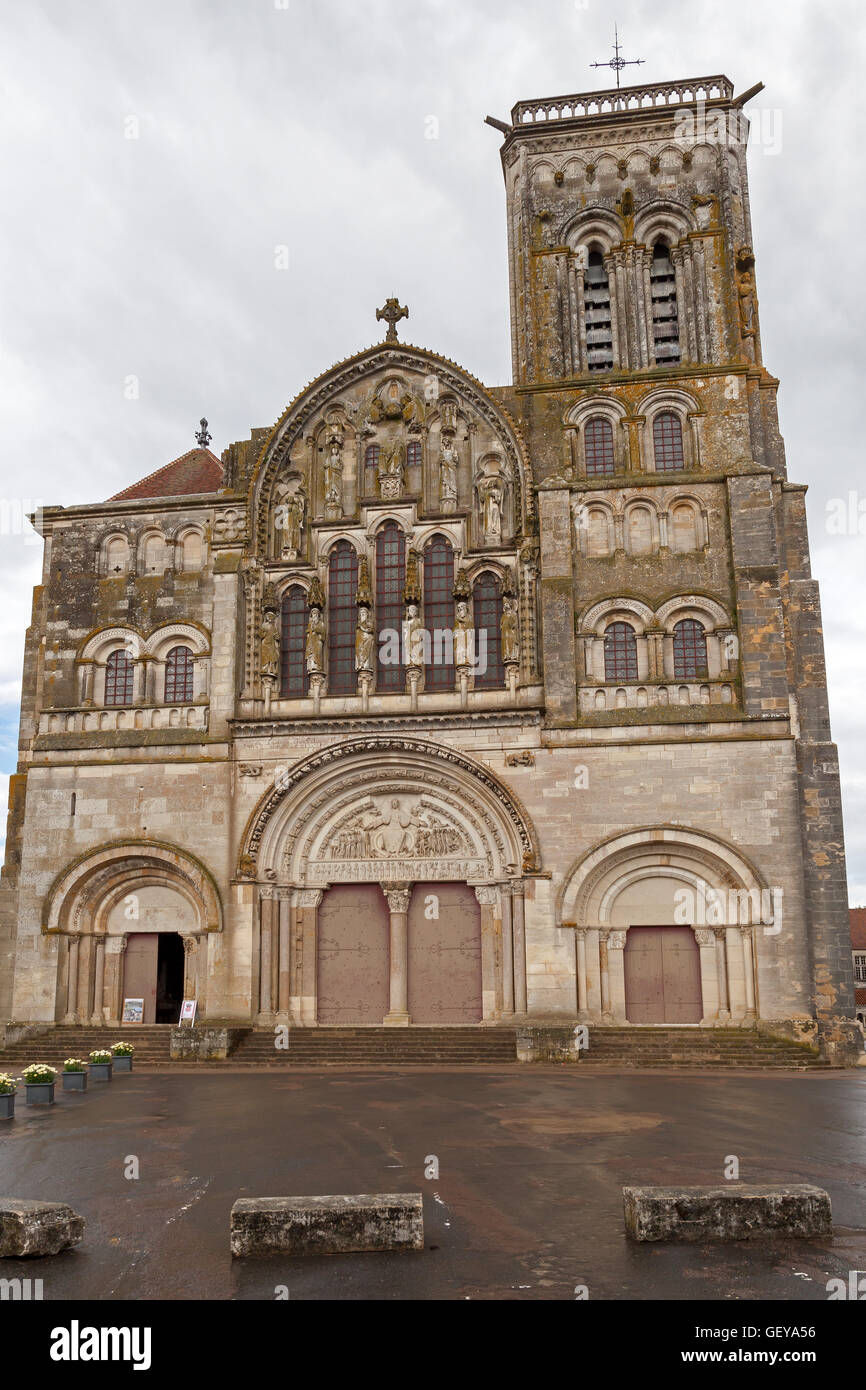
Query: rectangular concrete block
{"x": 327, "y": 1225}
{"x": 37, "y": 1228}
{"x": 737, "y": 1211}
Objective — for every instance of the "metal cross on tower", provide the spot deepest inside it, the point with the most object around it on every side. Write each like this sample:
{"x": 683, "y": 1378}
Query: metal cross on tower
{"x": 392, "y": 312}
{"x": 616, "y": 62}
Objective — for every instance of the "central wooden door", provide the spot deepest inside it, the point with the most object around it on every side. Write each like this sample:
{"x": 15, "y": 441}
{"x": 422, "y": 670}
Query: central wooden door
{"x": 140, "y": 971}
{"x": 353, "y": 955}
{"x": 444, "y": 954}
{"x": 662, "y": 976}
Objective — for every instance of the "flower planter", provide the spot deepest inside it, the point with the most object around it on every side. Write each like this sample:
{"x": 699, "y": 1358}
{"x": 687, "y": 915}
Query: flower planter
{"x": 74, "y": 1080}
{"x": 7, "y": 1106}
{"x": 122, "y": 1064}
{"x": 100, "y": 1071}
{"x": 40, "y": 1093}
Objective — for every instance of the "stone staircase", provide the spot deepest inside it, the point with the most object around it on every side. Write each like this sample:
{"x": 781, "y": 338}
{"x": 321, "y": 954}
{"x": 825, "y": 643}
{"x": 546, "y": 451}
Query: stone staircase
{"x": 694, "y": 1047}
{"x": 333, "y": 1047}
{"x": 151, "y": 1043}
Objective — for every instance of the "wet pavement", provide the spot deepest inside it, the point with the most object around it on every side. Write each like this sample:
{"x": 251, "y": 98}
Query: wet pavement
{"x": 527, "y": 1204}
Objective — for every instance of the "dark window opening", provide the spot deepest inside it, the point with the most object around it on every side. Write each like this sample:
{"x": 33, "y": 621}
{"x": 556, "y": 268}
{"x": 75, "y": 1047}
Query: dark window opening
{"x": 118, "y": 679}
{"x": 690, "y": 650}
{"x": 390, "y": 583}
{"x": 179, "y": 676}
{"x": 439, "y": 612}
{"x": 342, "y": 617}
{"x": 620, "y": 653}
{"x": 294, "y": 680}
{"x": 487, "y": 613}
{"x": 668, "y": 442}
{"x": 598, "y": 447}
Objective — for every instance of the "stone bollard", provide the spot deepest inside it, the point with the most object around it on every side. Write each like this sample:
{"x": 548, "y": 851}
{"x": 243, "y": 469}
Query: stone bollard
{"x": 327, "y": 1225}
{"x": 737, "y": 1211}
{"x": 37, "y": 1228}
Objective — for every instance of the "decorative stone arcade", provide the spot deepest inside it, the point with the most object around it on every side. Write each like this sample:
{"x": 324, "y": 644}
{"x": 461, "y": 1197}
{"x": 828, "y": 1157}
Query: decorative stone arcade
{"x": 393, "y": 812}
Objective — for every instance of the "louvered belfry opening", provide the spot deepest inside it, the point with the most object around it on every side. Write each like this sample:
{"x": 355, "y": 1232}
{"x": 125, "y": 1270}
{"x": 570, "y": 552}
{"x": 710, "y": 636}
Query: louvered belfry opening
{"x": 663, "y": 285}
{"x": 596, "y": 295}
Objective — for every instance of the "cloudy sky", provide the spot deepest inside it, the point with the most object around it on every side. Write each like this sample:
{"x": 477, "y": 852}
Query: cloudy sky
{"x": 162, "y": 160}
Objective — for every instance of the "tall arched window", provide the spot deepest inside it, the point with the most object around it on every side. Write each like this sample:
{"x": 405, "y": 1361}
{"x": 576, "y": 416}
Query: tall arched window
{"x": 342, "y": 617}
{"x": 620, "y": 653}
{"x": 663, "y": 287}
{"x": 118, "y": 679}
{"x": 596, "y": 295}
{"x": 487, "y": 611}
{"x": 690, "y": 650}
{"x": 668, "y": 442}
{"x": 179, "y": 676}
{"x": 413, "y": 454}
{"x": 598, "y": 446}
{"x": 439, "y": 613}
{"x": 371, "y": 468}
{"x": 390, "y": 583}
{"x": 294, "y": 680}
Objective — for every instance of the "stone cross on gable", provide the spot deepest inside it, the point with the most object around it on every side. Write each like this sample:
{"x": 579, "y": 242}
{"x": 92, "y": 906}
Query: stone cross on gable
{"x": 392, "y": 312}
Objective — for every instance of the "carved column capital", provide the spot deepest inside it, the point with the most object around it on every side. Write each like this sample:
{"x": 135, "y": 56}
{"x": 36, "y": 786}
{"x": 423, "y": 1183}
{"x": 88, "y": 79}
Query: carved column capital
{"x": 397, "y": 895}
{"x": 616, "y": 940}
{"x": 486, "y": 894}
{"x": 704, "y": 936}
{"x": 309, "y": 897}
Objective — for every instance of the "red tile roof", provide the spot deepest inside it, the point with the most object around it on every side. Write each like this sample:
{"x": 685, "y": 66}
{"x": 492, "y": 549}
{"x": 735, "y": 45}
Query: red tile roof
{"x": 197, "y": 471}
{"x": 857, "y": 917}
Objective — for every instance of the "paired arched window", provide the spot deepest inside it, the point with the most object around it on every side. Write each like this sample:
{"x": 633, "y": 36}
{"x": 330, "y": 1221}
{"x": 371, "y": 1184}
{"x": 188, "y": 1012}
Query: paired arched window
{"x": 668, "y": 442}
{"x": 596, "y": 295}
{"x": 663, "y": 288}
{"x": 598, "y": 447}
{"x": 179, "y": 681}
{"x": 690, "y": 650}
{"x": 118, "y": 679}
{"x": 487, "y": 613}
{"x": 342, "y": 616}
{"x": 620, "y": 653}
{"x": 294, "y": 679}
{"x": 390, "y": 583}
{"x": 439, "y": 613}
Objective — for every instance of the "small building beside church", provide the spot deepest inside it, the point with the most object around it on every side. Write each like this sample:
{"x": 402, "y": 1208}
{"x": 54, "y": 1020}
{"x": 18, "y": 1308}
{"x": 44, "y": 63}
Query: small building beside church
{"x": 439, "y": 704}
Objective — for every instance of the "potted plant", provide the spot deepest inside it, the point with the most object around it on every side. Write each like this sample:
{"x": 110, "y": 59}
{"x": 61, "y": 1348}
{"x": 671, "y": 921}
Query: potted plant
{"x": 8, "y": 1086}
{"x": 100, "y": 1064}
{"x": 122, "y": 1056}
{"x": 74, "y": 1074}
{"x": 39, "y": 1083}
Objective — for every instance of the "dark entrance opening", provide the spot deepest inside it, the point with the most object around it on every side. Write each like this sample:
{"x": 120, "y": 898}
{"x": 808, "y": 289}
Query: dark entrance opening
{"x": 169, "y": 977}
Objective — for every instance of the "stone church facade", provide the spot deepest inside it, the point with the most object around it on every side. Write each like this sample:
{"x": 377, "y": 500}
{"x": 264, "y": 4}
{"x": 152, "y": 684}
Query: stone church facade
{"x": 440, "y": 704}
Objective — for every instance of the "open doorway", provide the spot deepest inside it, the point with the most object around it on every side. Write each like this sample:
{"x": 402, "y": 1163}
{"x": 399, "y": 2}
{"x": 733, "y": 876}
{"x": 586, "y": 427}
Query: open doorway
{"x": 169, "y": 977}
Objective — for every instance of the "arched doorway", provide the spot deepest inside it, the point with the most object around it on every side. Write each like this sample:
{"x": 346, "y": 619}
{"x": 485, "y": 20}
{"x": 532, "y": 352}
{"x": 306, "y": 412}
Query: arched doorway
{"x": 444, "y": 954}
{"x": 153, "y": 970}
{"x": 662, "y": 976}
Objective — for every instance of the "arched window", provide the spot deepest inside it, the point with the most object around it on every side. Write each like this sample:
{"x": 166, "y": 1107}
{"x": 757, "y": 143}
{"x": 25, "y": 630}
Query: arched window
{"x": 390, "y": 583}
{"x": 118, "y": 679}
{"x": 294, "y": 680}
{"x": 117, "y": 555}
{"x": 413, "y": 454}
{"x": 191, "y": 552}
{"x": 640, "y": 531}
{"x": 439, "y": 613}
{"x": 371, "y": 467}
{"x": 342, "y": 617}
{"x": 596, "y": 294}
{"x": 178, "y": 676}
{"x": 668, "y": 442}
{"x": 598, "y": 446}
{"x": 663, "y": 287}
{"x": 690, "y": 650}
{"x": 620, "y": 653}
{"x": 487, "y": 610}
{"x": 684, "y": 528}
{"x": 154, "y": 555}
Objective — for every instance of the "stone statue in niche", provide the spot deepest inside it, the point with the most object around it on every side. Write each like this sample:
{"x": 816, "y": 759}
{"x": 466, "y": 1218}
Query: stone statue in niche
{"x": 365, "y": 638}
{"x": 510, "y": 632}
{"x": 392, "y": 468}
{"x": 290, "y": 504}
{"x": 448, "y": 416}
{"x": 448, "y": 462}
{"x": 270, "y": 645}
{"x": 314, "y": 647}
{"x": 746, "y": 291}
{"x": 490, "y": 496}
{"x": 413, "y": 636}
{"x": 464, "y": 644}
{"x": 333, "y": 477}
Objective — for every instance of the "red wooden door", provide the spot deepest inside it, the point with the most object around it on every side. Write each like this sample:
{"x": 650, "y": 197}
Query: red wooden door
{"x": 444, "y": 954}
{"x": 140, "y": 971}
{"x": 353, "y": 955}
{"x": 662, "y": 976}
